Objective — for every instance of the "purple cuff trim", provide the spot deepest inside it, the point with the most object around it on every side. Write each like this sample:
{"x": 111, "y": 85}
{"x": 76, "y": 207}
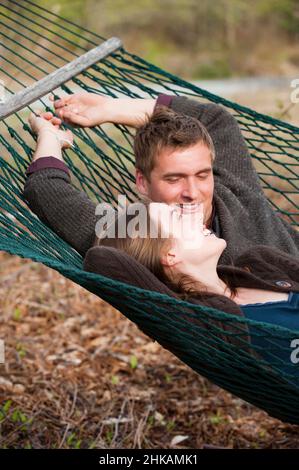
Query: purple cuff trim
{"x": 163, "y": 100}
{"x": 47, "y": 162}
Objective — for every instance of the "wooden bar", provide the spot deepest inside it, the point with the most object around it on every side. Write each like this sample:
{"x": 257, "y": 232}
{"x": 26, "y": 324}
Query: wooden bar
{"x": 58, "y": 77}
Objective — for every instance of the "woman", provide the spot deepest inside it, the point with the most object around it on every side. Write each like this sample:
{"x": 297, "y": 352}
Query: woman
{"x": 263, "y": 284}
{"x": 185, "y": 255}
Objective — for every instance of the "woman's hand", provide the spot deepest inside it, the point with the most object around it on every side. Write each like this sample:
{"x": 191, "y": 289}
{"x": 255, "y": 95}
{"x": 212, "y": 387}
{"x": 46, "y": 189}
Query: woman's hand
{"x": 45, "y": 122}
{"x": 82, "y": 109}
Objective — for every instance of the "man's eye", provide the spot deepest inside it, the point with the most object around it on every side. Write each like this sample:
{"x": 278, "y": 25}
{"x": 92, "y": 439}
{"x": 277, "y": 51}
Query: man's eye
{"x": 203, "y": 176}
{"x": 172, "y": 180}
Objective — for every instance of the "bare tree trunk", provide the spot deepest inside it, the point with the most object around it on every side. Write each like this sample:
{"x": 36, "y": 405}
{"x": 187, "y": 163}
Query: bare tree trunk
{"x": 230, "y": 23}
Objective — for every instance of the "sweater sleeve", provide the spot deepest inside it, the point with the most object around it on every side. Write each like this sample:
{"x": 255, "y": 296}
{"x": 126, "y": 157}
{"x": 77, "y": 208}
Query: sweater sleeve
{"x": 66, "y": 210}
{"x": 270, "y": 262}
{"x": 232, "y": 156}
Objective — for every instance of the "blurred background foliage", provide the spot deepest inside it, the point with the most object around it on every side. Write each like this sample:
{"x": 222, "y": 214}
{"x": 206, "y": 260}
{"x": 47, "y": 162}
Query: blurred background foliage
{"x": 197, "y": 39}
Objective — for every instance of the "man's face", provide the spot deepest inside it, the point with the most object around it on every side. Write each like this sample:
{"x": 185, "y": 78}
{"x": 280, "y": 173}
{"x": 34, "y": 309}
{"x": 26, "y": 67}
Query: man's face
{"x": 181, "y": 176}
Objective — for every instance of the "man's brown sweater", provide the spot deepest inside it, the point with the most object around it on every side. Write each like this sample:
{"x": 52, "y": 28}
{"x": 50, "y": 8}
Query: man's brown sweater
{"x": 242, "y": 215}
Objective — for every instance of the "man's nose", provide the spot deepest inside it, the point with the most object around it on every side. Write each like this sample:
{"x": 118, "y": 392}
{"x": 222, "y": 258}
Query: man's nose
{"x": 191, "y": 191}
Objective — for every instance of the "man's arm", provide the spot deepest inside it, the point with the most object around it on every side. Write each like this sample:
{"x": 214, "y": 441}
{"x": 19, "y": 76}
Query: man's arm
{"x": 49, "y": 192}
{"x": 90, "y": 109}
{"x": 66, "y": 210}
{"x": 232, "y": 156}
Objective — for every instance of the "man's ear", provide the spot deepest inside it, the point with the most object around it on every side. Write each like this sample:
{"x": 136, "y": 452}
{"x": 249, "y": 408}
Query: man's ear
{"x": 141, "y": 183}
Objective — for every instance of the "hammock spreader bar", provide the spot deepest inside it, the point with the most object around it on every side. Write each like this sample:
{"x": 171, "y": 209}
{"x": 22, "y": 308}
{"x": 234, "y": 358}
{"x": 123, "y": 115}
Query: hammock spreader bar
{"x": 58, "y": 77}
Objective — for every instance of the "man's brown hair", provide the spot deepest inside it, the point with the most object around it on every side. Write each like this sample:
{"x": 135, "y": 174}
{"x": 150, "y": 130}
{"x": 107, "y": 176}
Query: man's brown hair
{"x": 167, "y": 129}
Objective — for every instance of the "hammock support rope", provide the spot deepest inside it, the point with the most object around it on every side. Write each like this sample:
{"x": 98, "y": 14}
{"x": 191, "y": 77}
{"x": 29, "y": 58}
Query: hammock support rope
{"x": 102, "y": 164}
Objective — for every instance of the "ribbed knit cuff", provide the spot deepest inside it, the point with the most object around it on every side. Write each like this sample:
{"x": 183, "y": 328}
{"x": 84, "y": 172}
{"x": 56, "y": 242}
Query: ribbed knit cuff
{"x": 47, "y": 162}
{"x": 163, "y": 100}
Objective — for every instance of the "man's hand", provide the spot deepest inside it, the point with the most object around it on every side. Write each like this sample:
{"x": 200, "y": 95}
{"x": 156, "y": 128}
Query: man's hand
{"x": 47, "y": 122}
{"x": 82, "y": 109}
{"x": 40, "y": 121}
{"x": 90, "y": 109}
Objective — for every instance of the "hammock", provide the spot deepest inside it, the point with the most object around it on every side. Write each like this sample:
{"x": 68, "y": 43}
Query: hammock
{"x": 36, "y": 42}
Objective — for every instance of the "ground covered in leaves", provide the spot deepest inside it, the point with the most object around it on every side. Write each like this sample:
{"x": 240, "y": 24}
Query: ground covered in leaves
{"x": 78, "y": 374}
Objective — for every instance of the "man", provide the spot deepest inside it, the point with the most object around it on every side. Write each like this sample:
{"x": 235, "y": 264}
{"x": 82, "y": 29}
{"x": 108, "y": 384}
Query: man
{"x": 213, "y": 168}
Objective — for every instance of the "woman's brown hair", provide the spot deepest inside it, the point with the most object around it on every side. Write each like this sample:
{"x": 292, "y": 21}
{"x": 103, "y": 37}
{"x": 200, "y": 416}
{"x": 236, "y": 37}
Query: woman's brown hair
{"x": 148, "y": 251}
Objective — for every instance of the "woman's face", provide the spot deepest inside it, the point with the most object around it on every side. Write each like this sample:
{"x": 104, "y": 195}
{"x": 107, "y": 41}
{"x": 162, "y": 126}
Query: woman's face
{"x": 190, "y": 241}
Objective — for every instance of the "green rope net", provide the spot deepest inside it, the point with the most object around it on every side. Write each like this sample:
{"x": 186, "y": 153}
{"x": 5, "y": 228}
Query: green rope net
{"x": 36, "y": 42}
